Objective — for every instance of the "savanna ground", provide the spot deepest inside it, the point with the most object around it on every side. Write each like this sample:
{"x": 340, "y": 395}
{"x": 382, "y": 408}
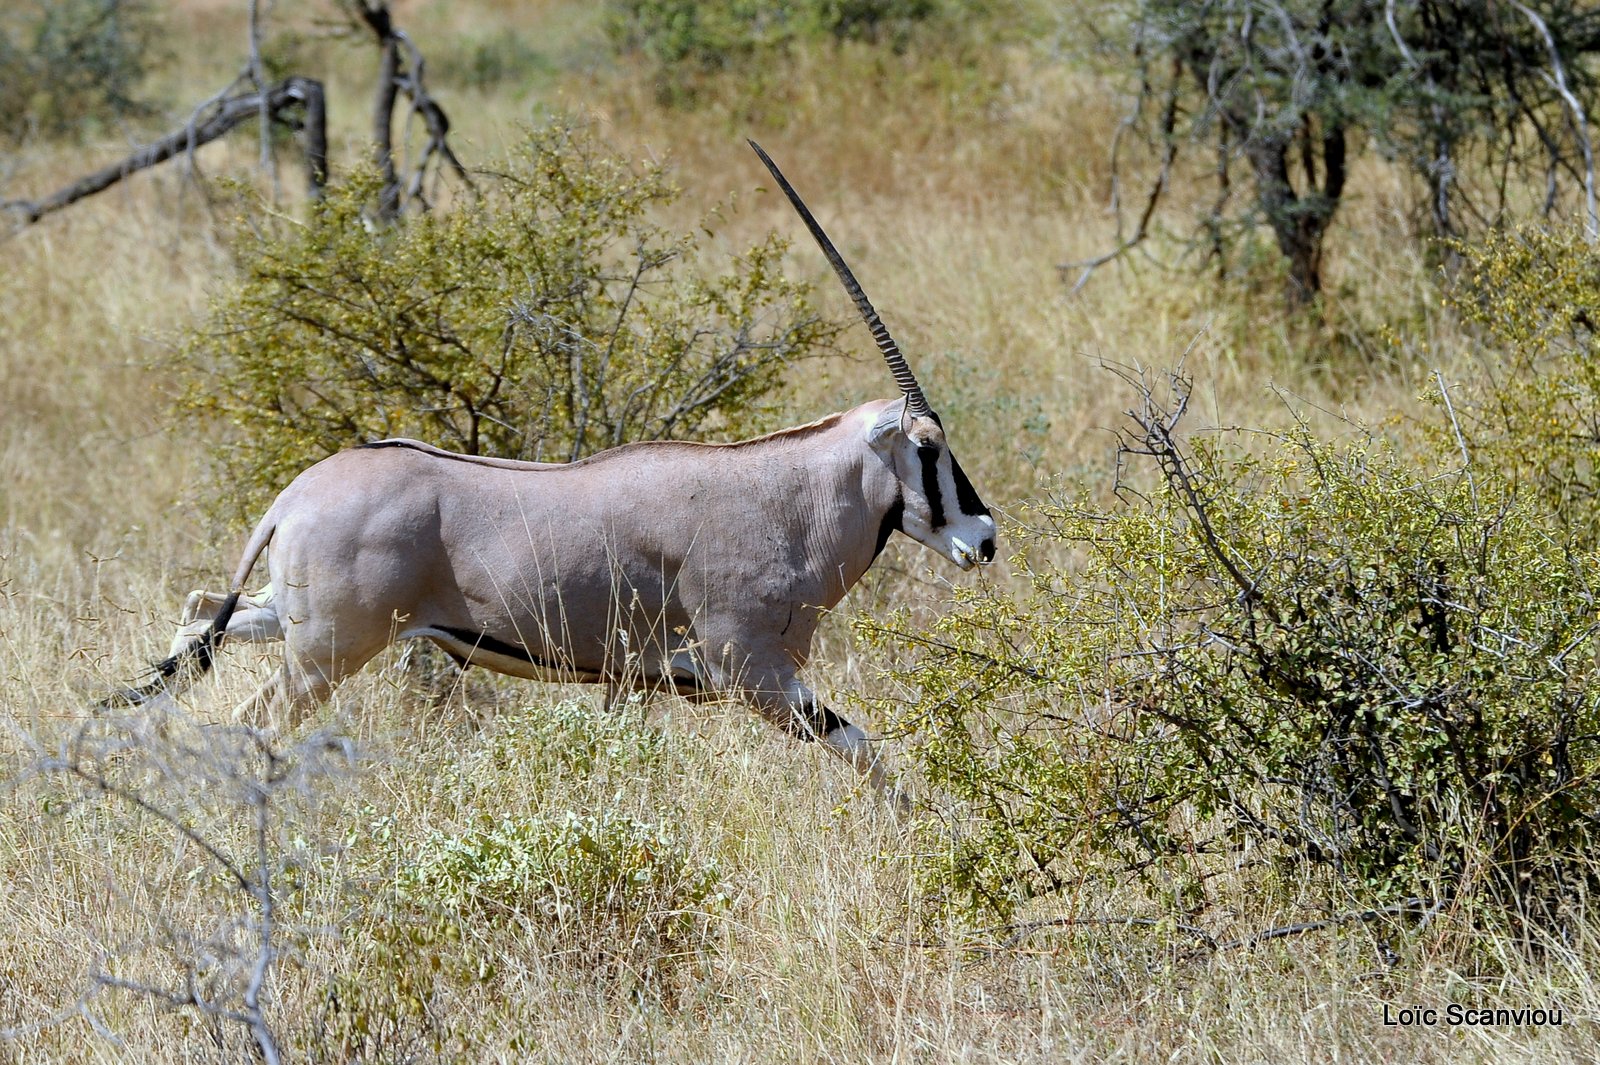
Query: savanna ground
{"x": 955, "y": 186}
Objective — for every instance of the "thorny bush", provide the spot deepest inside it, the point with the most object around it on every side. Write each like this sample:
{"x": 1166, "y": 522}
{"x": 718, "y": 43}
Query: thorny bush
{"x": 1324, "y": 657}
{"x": 200, "y": 836}
{"x": 546, "y": 319}
{"x": 1534, "y": 410}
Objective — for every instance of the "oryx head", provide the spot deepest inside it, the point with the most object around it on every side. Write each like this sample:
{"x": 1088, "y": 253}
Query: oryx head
{"x": 938, "y": 505}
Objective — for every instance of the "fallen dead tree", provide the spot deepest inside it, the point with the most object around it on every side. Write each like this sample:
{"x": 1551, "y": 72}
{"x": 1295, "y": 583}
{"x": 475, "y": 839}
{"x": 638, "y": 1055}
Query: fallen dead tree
{"x": 281, "y": 102}
{"x": 298, "y": 103}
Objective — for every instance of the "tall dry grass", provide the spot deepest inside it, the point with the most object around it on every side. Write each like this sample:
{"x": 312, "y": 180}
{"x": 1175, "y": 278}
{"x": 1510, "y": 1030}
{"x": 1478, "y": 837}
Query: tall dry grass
{"x": 955, "y": 189}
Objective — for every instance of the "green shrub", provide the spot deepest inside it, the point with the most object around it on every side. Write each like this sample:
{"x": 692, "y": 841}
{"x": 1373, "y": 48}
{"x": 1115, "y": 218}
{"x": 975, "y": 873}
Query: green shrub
{"x": 545, "y": 318}
{"x": 64, "y": 63}
{"x": 615, "y": 896}
{"x": 1534, "y": 411}
{"x": 606, "y": 872}
{"x": 719, "y": 34}
{"x": 683, "y": 40}
{"x": 503, "y": 61}
{"x": 1326, "y": 658}
{"x": 556, "y": 744}
{"x": 606, "y": 899}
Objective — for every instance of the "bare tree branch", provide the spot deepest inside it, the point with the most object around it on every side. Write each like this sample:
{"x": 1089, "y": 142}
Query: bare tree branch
{"x": 281, "y": 99}
{"x": 203, "y": 784}
{"x": 1580, "y": 124}
{"x": 433, "y": 118}
{"x": 1169, "y": 114}
{"x": 396, "y": 77}
{"x": 258, "y": 79}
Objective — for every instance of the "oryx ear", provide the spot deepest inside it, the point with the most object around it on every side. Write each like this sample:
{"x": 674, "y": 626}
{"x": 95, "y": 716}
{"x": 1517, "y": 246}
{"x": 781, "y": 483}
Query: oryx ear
{"x": 888, "y": 429}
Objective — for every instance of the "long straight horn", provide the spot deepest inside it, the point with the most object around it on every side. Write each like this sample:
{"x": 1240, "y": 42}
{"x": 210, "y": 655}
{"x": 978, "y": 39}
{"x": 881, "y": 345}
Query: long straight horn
{"x": 916, "y": 402}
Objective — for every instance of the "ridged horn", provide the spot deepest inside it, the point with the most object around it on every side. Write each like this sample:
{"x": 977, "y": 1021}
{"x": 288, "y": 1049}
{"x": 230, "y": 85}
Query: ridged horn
{"x": 916, "y": 402}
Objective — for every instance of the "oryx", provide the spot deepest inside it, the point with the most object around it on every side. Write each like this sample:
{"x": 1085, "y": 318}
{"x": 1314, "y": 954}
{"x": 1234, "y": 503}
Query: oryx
{"x": 700, "y": 567}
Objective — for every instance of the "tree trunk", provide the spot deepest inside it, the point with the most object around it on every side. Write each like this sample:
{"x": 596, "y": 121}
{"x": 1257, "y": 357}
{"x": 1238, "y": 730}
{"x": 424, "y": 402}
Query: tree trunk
{"x": 377, "y": 18}
{"x": 1299, "y": 221}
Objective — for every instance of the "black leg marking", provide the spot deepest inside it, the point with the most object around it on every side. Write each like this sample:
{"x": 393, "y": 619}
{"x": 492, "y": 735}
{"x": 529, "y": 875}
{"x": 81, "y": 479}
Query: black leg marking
{"x": 812, "y": 723}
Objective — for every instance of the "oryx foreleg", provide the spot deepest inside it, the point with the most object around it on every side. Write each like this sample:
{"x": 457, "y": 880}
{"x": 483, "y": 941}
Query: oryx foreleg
{"x": 793, "y": 707}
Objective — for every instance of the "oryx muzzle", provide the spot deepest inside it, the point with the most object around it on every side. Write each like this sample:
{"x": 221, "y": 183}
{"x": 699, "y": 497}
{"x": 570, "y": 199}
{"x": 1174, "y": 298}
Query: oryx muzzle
{"x": 703, "y": 568}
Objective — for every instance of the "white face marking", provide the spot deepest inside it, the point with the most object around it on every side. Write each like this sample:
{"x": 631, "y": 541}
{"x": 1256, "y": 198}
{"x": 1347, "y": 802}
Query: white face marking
{"x": 962, "y": 536}
{"x": 967, "y": 555}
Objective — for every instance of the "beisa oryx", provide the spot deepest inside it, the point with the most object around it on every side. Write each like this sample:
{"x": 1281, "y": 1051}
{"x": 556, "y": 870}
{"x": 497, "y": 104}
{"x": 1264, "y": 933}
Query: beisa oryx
{"x": 699, "y": 567}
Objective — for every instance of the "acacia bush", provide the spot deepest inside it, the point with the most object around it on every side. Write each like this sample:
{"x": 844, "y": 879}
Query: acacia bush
{"x": 1283, "y": 98}
{"x": 1319, "y": 657}
{"x": 64, "y": 63}
{"x": 1533, "y": 411}
{"x": 547, "y": 317}
{"x": 684, "y": 40}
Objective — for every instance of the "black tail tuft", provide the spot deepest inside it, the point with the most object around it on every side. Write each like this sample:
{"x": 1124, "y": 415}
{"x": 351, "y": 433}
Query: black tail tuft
{"x": 178, "y": 671}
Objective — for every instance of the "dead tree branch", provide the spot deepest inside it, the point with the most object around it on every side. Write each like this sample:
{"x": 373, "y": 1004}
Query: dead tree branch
{"x": 297, "y": 103}
{"x": 398, "y": 75}
{"x": 1169, "y": 152}
{"x": 280, "y": 101}
{"x": 1580, "y": 122}
{"x": 258, "y": 80}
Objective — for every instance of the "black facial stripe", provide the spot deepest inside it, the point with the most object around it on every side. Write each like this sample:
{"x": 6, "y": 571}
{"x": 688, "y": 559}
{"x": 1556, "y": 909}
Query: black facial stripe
{"x": 893, "y": 518}
{"x": 966, "y": 495}
{"x": 930, "y": 485}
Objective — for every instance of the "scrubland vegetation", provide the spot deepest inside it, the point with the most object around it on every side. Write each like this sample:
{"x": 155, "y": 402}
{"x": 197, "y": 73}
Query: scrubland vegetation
{"x": 1280, "y": 716}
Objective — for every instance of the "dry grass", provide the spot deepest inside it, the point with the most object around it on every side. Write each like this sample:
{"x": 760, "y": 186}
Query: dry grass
{"x": 955, "y": 192}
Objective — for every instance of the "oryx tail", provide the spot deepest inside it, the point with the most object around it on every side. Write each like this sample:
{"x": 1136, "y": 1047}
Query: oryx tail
{"x": 191, "y": 662}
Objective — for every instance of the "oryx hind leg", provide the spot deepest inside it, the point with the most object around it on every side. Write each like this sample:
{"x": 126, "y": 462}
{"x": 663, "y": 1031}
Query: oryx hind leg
{"x": 286, "y": 697}
{"x": 299, "y": 686}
